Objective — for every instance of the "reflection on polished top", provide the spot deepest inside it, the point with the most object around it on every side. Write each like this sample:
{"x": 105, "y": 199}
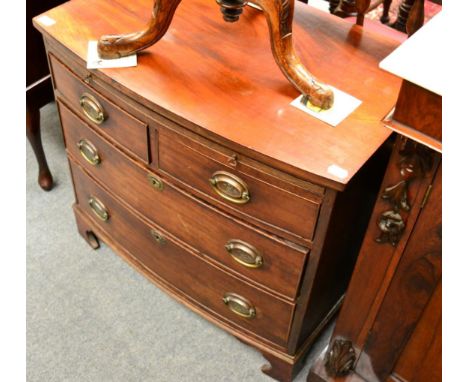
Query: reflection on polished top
{"x": 229, "y": 85}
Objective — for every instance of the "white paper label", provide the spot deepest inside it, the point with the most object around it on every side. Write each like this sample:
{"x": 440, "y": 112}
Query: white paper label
{"x": 344, "y": 104}
{"x": 46, "y": 20}
{"x": 95, "y": 62}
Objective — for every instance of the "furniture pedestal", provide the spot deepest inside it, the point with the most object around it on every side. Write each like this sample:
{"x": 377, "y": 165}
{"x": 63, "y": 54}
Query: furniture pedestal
{"x": 279, "y": 15}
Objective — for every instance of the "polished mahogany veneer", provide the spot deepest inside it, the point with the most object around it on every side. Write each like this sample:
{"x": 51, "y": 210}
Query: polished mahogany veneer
{"x": 196, "y": 170}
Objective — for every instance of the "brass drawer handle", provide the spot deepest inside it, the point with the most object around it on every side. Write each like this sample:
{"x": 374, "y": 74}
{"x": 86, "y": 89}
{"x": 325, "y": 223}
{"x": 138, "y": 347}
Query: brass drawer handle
{"x": 89, "y": 152}
{"x": 155, "y": 182}
{"x": 158, "y": 237}
{"x": 230, "y": 187}
{"x": 239, "y": 305}
{"x": 92, "y": 108}
{"x": 244, "y": 253}
{"x": 98, "y": 208}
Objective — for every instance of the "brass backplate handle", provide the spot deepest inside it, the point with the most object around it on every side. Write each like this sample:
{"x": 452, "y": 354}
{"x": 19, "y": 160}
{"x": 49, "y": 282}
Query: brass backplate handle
{"x": 158, "y": 237}
{"x": 239, "y": 305}
{"x": 89, "y": 152}
{"x": 244, "y": 253}
{"x": 230, "y": 187}
{"x": 92, "y": 108}
{"x": 98, "y": 208}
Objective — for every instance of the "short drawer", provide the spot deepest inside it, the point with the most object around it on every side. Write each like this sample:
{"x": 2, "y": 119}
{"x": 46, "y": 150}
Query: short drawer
{"x": 271, "y": 262}
{"x": 111, "y": 120}
{"x": 215, "y": 290}
{"x": 221, "y": 176}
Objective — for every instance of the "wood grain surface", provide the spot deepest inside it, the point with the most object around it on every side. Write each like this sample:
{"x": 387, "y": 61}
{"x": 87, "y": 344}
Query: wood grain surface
{"x": 204, "y": 229}
{"x": 222, "y": 77}
{"x": 187, "y": 271}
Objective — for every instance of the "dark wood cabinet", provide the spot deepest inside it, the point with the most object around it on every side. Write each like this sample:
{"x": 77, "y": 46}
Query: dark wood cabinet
{"x": 389, "y": 328}
{"x": 194, "y": 167}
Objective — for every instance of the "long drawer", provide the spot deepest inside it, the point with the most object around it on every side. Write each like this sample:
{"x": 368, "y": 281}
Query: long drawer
{"x": 217, "y": 291}
{"x": 104, "y": 115}
{"x": 261, "y": 258}
{"x": 222, "y": 176}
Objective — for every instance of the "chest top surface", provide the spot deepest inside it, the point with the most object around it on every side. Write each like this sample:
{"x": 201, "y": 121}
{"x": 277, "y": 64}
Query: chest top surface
{"x": 221, "y": 79}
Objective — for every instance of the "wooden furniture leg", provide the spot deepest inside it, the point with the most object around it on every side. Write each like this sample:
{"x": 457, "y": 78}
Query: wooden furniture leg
{"x": 345, "y": 8}
{"x": 402, "y": 18}
{"x": 33, "y": 132}
{"x": 362, "y": 6}
{"x": 385, "y": 18}
{"x": 115, "y": 46}
{"x": 279, "y": 14}
{"x": 410, "y": 16}
{"x": 333, "y": 5}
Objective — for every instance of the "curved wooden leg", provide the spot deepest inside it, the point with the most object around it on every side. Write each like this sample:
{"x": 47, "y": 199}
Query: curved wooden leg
{"x": 115, "y": 46}
{"x": 33, "y": 132}
{"x": 279, "y": 15}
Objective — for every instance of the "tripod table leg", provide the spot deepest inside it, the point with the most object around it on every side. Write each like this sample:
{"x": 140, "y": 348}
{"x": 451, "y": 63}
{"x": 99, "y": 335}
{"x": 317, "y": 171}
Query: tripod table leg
{"x": 279, "y": 15}
{"x": 115, "y": 46}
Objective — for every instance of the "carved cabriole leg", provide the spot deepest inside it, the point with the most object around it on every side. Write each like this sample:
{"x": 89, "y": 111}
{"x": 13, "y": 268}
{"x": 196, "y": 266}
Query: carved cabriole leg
{"x": 33, "y": 132}
{"x": 279, "y": 15}
{"x": 115, "y": 46}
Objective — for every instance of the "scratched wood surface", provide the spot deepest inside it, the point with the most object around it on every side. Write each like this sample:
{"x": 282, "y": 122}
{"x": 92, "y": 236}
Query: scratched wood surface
{"x": 222, "y": 77}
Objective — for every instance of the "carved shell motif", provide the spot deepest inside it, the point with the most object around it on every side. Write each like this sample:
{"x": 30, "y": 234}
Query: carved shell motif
{"x": 340, "y": 358}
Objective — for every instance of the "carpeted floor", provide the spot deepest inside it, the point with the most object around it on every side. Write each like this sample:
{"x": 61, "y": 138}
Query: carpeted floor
{"x": 90, "y": 317}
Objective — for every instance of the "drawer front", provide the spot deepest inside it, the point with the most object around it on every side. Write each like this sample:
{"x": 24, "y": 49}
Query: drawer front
{"x": 268, "y": 261}
{"x": 216, "y": 291}
{"x": 219, "y": 176}
{"x": 101, "y": 113}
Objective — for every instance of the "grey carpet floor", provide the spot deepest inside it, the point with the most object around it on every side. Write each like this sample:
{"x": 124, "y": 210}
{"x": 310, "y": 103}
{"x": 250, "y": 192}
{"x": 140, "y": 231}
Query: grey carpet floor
{"x": 90, "y": 317}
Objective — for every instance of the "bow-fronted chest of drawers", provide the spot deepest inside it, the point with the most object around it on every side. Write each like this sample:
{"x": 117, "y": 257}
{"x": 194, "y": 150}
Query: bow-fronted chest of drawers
{"x": 195, "y": 169}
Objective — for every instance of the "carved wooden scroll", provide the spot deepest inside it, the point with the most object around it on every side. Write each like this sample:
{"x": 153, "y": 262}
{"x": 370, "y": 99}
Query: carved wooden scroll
{"x": 279, "y": 15}
{"x": 415, "y": 161}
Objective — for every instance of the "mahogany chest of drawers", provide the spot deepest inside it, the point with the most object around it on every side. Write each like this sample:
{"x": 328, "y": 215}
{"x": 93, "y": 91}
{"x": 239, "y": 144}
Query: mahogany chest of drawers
{"x": 207, "y": 181}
